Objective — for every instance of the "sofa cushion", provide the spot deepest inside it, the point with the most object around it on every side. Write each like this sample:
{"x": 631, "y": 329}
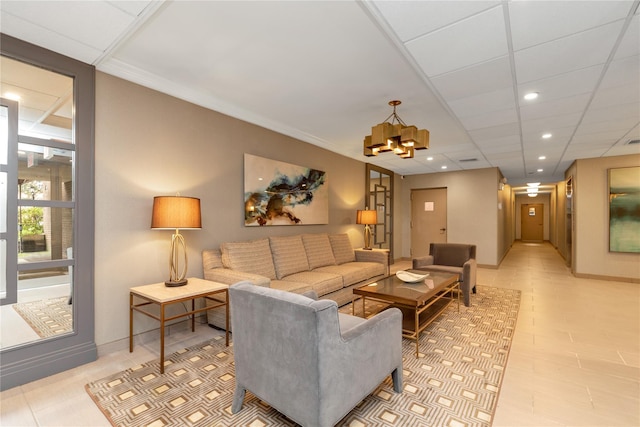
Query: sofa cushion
{"x": 289, "y": 286}
{"x": 250, "y": 257}
{"x": 289, "y": 256}
{"x": 322, "y": 283}
{"x": 318, "y": 249}
{"x": 354, "y": 272}
{"x": 342, "y": 249}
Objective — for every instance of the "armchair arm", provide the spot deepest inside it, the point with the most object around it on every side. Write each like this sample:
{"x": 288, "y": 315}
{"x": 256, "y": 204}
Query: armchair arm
{"x": 352, "y": 352}
{"x": 469, "y": 279}
{"x": 422, "y": 262}
{"x": 229, "y": 277}
{"x": 390, "y": 318}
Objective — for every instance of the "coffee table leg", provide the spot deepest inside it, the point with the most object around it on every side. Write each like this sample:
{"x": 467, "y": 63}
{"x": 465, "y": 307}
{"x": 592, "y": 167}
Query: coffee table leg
{"x": 417, "y": 326}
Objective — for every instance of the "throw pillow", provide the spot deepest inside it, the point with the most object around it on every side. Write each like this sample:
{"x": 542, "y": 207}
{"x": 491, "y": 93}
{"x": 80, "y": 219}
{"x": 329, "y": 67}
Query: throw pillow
{"x": 249, "y": 257}
{"x": 342, "y": 249}
{"x": 289, "y": 256}
{"x": 318, "y": 249}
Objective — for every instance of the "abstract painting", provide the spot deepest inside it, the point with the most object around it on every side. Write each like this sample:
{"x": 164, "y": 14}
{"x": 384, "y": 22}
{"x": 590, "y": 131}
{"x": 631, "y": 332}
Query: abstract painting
{"x": 279, "y": 193}
{"x": 624, "y": 209}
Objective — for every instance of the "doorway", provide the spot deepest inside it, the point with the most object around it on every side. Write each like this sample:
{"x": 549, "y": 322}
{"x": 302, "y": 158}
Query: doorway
{"x": 428, "y": 219}
{"x": 532, "y": 220}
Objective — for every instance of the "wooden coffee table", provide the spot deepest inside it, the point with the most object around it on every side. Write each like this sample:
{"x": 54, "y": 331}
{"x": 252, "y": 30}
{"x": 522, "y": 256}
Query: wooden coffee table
{"x": 420, "y": 303}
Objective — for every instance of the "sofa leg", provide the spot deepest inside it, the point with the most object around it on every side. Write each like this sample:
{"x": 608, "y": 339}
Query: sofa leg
{"x": 474, "y": 289}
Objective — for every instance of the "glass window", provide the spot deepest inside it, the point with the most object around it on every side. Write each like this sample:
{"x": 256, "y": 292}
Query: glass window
{"x": 44, "y": 173}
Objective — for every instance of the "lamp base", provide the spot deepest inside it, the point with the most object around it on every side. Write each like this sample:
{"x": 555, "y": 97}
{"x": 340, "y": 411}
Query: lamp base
{"x": 176, "y": 283}
{"x": 368, "y": 249}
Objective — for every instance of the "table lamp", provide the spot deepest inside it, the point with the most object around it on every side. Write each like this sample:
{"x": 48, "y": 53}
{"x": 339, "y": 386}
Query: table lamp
{"x": 367, "y": 217}
{"x": 175, "y": 213}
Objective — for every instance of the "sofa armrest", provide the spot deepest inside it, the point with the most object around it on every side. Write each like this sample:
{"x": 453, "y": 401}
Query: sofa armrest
{"x": 381, "y": 257}
{"x": 422, "y": 262}
{"x": 229, "y": 277}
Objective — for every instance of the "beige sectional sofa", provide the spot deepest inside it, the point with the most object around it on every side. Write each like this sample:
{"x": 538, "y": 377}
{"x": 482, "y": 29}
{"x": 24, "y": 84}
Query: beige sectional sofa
{"x": 325, "y": 263}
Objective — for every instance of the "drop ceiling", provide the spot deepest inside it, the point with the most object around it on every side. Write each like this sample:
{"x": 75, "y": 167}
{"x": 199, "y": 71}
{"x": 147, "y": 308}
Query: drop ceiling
{"x": 324, "y": 71}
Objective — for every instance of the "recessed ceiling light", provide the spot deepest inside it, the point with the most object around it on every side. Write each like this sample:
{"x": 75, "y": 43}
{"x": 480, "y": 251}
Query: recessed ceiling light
{"x": 429, "y": 158}
{"x": 443, "y": 167}
{"x": 542, "y": 157}
{"x": 531, "y": 96}
{"x": 540, "y": 170}
{"x": 546, "y": 135}
{"x": 533, "y": 184}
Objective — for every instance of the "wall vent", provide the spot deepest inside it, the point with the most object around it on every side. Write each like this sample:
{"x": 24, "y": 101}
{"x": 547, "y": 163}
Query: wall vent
{"x": 468, "y": 160}
{"x": 633, "y": 141}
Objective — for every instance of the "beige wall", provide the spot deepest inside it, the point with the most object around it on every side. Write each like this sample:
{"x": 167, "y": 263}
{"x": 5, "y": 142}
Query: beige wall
{"x": 591, "y": 208}
{"x": 149, "y": 144}
{"x": 472, "y": 210}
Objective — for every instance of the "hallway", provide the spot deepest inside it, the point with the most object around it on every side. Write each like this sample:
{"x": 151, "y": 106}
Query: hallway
{"x": 575, "y": 358}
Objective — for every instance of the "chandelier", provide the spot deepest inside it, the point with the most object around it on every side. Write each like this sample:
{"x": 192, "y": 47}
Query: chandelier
{"x": 395, "y": 136}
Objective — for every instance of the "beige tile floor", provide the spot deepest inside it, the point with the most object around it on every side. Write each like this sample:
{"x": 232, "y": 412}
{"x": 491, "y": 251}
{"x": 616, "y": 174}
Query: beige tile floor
{"x": 575, "y": 358}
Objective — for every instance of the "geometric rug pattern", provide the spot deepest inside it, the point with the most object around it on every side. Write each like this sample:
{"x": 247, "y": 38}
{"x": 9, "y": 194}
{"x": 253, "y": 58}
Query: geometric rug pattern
{"x": 47, "y": 317}
{"x": 455, "y": 380}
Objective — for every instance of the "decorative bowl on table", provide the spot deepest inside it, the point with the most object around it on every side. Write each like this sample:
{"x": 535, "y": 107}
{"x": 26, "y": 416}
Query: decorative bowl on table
{"x": 409, "y": 277}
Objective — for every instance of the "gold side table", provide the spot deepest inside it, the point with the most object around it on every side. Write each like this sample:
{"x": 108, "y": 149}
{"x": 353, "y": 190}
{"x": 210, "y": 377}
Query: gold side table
{"x": 163, "y": 296}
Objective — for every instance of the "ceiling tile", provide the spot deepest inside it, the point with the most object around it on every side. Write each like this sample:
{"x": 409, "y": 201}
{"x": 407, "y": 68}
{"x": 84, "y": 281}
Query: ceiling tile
{"x": 630, "y": 44}
{"x": 508, "y": 130}
{"x": 561, "y": 85}
{"x": 555, "y": 107}
{"x": 623, "y": 71}
{"x": 410, "y": 19}
{"x": 534, "y": 23}
{"x": 481, "y": 78}
{"x": 567, "y": 54}
{"x": 93, "y": 23}
{"x": 490, "y": 101}
{"x": 490, "y": 119}
{"x": 473, "y": 40}
{"x": 548, "y": 124}
{"x": 619, "y": 95}
{"x": 35, "y": 34}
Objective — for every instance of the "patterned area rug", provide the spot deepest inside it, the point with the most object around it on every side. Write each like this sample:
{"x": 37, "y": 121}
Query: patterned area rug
{"x": 455, "y": 381}
{"x": 47, "y": 317}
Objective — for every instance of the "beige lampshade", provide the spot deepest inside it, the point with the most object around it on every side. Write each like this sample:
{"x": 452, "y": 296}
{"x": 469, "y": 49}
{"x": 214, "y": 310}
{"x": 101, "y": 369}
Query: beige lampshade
{"x": 173, "y": 212}
{"x": 368, "y": 217}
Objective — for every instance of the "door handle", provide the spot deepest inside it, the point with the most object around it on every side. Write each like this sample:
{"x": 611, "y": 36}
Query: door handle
{"x": 442, "y": 230}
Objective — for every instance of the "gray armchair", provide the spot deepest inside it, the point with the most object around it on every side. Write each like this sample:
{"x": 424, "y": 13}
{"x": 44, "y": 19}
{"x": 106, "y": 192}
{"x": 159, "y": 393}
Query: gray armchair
{"x": 452, "y": 258}
{"x": 305, "y": 359}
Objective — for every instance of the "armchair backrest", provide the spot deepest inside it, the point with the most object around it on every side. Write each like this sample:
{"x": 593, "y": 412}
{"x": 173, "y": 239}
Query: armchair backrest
{"x": 452, "y": 254}
{"x": 276, "y": 339}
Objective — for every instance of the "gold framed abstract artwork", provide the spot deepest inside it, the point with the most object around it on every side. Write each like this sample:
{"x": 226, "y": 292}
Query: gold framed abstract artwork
{"x": 279, "y": 193}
